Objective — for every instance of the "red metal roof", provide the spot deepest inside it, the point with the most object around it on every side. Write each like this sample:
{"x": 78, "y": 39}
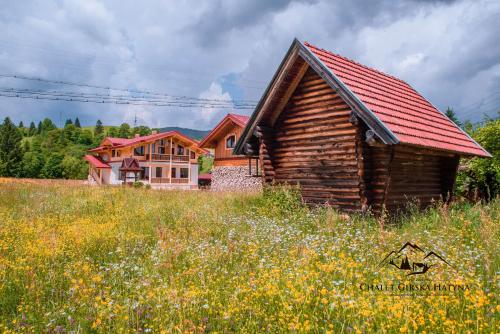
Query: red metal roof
{"x": 124, "y": 142}
{"x": 96, "y": 162}
{"x": 399, "y": 107}
{"x": 206, "y": 176}
{"x": 240, "y": 120}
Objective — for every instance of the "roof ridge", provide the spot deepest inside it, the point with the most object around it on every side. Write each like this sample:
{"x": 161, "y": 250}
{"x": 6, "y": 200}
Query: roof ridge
{"x": 355, "y": 62}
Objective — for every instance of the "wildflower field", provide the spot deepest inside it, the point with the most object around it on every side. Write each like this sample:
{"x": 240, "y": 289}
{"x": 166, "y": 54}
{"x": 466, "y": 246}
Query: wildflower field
{"x": 80, "y": 259}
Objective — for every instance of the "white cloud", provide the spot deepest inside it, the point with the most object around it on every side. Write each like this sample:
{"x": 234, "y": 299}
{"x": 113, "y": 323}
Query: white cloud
{"x": 447, "y": 50}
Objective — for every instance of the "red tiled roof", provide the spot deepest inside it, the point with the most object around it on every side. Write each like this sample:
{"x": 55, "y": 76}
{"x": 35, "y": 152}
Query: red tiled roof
{"x": 124, "y": 142}
{"x": 240, "y": 120}
{"x": 206, "y": 176}
{"x": 96, "y": 162}
{"x": 400, "y": 107}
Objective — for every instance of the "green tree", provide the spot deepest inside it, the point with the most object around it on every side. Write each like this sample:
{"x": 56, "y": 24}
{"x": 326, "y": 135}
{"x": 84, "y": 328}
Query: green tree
{"x": 99, "y": 129}
{"x": 73, "y": 168}
{"x": 451, "y": 115}
{"x": 480, "y": 177}
{"x": 10, "y": 150}
{"x": 124, "y": 131}
{"x": 77, "y": 123}
{"x": 68, "y": 122}
{"x": 21, "y": 125}
{"x": 39, "y": 128}
{"x": 141, "y": 130}
{"x": 47, "y": 125}
{"x": 32, "y": 129}
{"x": 32, "y": 164}
{"x": 52, "y": 168}
{"x": 86, "y": 137}
{"x": 112, "y": 132}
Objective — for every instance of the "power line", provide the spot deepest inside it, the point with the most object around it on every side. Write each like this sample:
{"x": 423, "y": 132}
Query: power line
{"x": 151, "y": 93}
{"x": 121, "y": 98}
{"x": 118, "y": 102}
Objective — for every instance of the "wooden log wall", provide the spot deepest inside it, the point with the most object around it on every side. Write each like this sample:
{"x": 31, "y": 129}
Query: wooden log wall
{"x": 376, "y": 165}
{"x": 420, "y": 174}
{"x": 314, "y": 144}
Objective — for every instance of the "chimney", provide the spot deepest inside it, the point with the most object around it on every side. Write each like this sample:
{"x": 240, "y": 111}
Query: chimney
{"x": 137, "y": 135}
{"x": 154, "y": 132}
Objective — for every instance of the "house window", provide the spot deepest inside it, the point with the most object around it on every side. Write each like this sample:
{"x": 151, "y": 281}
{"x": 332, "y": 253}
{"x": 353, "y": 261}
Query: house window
{"x": 118, "y": 153}
{"x": 139, "y": 151}
{"x": 180, "y": 150}
{"x": 173, "y": 150}
{"x": 161, "y": 150}
{"x": 158, "y": 171}
{"x": 162, "y": 143}
{"x": 173, "y": 173}
{"x": 230, "y": 141}
{"x": 184, "y": 173}
{"x": 113, "y": 153}
{"x": 193, "y": 155}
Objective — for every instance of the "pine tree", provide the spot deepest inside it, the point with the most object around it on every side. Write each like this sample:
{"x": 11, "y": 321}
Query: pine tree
{"x": 10, "y": 150}
{"x": 68, "y": 122}
{"x": 77, "y": 123}
{"x": 99, "y": 129}
{"x": 451, "y": 115}
{"x": 39, "y": 128}
{"x": 21, "y": 125}
{"x": 32, "y": 130}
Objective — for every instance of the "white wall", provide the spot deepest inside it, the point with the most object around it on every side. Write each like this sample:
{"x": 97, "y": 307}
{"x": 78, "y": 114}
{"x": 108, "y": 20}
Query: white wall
{"x": 194, "y": 174}
{"x": 115, "y": 173}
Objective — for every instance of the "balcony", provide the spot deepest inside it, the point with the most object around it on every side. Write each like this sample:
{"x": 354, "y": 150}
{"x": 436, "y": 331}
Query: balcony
{"x": 167, "y": 180}
{"x": 166, "y": 157}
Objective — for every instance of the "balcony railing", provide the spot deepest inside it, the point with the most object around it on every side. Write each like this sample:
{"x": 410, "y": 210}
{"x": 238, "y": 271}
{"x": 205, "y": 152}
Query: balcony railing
{"x": 166, "y": 157}
{"x": 167, "y": 180}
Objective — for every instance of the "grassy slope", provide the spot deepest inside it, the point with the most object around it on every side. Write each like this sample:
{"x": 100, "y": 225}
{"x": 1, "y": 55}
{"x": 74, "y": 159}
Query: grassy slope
{"x": 127, "y": 260}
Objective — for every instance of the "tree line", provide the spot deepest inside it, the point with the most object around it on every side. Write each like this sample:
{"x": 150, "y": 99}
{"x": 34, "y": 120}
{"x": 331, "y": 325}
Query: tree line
{"x": 46, "y": 151}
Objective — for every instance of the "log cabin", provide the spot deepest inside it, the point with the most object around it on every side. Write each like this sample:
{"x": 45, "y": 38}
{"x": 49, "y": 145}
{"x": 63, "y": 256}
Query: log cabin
{"x": 163, "y": 160}
{"x": 231, "y": 171}
{"x": 352, "y": 136}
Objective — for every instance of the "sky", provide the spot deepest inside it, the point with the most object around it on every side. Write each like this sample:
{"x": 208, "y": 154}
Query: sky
{"x": 226, "y": 49}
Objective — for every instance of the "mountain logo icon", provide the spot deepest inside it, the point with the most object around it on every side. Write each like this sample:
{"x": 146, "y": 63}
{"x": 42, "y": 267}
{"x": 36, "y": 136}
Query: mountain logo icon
{"x": 413, "y": 259}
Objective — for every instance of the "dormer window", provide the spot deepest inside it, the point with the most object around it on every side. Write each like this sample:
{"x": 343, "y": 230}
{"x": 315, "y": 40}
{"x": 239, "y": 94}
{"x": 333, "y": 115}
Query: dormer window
{"x": 230, "y": 141}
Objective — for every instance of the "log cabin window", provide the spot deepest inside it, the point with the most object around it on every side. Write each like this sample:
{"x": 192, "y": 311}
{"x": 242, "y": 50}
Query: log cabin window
{"x": 139, "y": 151}
{"x": 230, "y": 141}
{"x": 180, "y": 150}
{"x": 158, "y": 171}
{"x": 193, "y": 155}
{"x": 184, "y": 173}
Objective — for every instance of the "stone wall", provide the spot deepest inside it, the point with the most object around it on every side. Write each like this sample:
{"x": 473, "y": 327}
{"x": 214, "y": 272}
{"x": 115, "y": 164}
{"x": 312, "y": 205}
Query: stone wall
{"x": 234, "y": 178}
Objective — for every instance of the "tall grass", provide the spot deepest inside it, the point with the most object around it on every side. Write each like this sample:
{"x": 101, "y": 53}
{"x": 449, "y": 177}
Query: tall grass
{"x": 85, "y": 259}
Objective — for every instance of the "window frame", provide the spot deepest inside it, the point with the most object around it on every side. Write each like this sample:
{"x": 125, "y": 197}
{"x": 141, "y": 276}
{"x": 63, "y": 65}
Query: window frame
{"x": 227, "y": 138}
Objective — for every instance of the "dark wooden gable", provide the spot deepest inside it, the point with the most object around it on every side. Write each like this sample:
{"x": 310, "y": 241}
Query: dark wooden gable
{"x": 313, "y": 143}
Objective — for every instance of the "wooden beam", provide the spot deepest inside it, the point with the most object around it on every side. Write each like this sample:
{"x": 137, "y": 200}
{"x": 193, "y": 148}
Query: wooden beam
{"x": 284, "y": 100}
